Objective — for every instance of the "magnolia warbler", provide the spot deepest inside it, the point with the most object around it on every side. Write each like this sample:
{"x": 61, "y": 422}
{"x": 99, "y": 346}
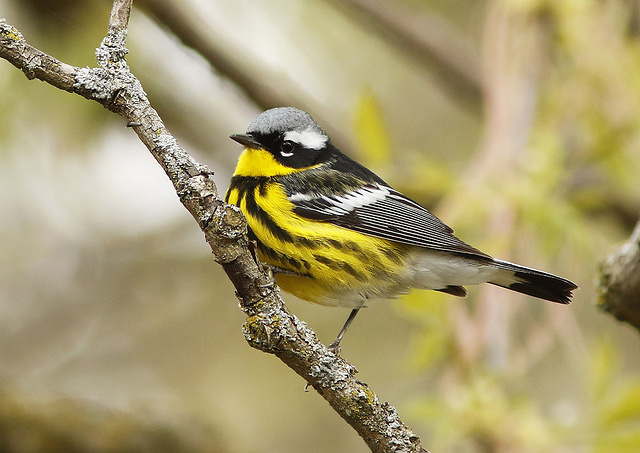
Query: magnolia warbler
{"x": 336, "y": 234}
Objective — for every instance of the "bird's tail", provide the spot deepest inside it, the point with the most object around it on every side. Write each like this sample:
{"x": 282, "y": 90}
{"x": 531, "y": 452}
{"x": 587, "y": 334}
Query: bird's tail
{"x": 533, "y": 282}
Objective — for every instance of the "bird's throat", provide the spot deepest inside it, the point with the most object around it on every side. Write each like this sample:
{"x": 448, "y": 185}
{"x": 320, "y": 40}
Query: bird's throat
{"x": 260, "y": 162}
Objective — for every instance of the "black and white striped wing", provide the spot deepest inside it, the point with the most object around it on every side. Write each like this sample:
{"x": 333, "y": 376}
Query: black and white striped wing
{"x": 383, "y": 212}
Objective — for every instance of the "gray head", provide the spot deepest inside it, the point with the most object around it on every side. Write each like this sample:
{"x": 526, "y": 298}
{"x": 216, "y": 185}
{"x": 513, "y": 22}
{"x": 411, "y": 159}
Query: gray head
{"x": 291, "y": 124}
{"x": 290, "y": 134}
{"x": 283, "y": 119}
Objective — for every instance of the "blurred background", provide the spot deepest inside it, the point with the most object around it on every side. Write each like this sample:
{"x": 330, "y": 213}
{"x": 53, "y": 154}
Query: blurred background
{"x": 515, "y": 121}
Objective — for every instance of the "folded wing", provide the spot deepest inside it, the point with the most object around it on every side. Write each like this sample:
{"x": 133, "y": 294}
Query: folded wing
{"x": 383, "y": 212}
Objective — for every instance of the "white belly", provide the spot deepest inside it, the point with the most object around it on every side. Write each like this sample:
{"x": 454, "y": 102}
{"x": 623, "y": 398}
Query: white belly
{"x": 429, "y": 269}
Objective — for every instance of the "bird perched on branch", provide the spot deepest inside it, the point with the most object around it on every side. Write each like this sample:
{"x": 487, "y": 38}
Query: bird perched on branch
{"x": 336, "y": 234}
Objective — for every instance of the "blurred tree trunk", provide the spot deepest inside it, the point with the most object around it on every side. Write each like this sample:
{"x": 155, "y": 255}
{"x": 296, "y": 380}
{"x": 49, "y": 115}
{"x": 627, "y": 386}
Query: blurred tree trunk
{"x": 620, "y": 281}
{"x": 429, "y": 40}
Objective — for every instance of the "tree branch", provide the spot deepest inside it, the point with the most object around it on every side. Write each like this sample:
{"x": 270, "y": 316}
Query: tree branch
{"x": 269, "y": 326}
{"x": 620, "y": 281}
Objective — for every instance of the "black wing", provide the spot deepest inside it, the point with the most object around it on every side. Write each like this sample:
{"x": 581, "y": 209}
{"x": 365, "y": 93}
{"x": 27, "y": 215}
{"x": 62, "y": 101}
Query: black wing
{"x": 378, "y": 210}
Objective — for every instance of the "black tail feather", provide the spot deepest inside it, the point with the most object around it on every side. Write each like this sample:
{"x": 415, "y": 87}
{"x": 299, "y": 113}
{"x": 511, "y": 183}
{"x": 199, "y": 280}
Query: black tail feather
{"x": 534, "y": 282}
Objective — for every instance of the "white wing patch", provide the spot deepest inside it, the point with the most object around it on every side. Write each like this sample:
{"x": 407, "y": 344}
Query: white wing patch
{"x": 344, "y": 204}
{"x": 300, "y": 197}
{"x": 308, "y": 138}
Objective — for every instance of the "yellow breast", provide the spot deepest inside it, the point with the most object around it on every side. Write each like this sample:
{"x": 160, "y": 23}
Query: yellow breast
{"x": 333, "y": 265}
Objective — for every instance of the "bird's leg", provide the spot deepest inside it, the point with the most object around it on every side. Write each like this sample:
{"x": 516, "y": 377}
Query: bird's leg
{"x": 273, "y": 270}
{"x": 335, "y": 346}
{"x": 282, "y": 270}
{"x": 253, "y": 249}
{"x": 272, "y": 281}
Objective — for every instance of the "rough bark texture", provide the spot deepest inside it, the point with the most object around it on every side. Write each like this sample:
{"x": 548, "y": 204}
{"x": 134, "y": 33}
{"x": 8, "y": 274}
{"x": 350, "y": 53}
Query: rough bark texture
{"x": 620, "y": 281}
{"x": 269, "y": 326}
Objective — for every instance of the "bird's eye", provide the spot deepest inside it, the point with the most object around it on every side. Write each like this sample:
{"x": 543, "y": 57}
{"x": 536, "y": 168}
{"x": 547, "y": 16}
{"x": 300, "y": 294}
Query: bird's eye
{"x": 286, "y": 149}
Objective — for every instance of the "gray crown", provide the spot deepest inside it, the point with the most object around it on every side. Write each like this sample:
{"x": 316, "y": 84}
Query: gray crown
{"x": 283, "y": 119}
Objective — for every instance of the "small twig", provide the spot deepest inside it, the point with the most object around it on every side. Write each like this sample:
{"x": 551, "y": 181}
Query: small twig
{"x": 269, "y": 326}
{"x": 119, "y": 19}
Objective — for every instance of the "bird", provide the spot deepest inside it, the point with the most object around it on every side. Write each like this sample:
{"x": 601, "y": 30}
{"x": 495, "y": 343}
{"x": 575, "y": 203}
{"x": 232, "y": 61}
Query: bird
{"x": 334, "y": 233}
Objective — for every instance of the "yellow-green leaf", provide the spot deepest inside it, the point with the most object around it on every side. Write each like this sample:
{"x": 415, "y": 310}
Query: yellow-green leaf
{"x": 372, "y": 134}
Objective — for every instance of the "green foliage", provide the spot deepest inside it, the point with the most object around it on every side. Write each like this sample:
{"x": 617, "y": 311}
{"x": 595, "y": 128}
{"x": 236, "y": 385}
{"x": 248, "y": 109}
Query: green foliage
{"x": 434, "y": 342}
{"x": 589, "y": 105}
{"x": 615, "y": 400}
{"x": 480, "y": 416}
{"x": 559, "y": 200}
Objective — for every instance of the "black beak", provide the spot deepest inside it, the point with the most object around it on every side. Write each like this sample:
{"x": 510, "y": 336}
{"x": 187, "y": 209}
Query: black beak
{"x": 246, "y": 140}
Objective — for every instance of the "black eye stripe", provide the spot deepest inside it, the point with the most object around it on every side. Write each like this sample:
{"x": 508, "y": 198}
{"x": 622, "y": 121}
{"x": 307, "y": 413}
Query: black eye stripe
{"x": 290, "y": 153}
